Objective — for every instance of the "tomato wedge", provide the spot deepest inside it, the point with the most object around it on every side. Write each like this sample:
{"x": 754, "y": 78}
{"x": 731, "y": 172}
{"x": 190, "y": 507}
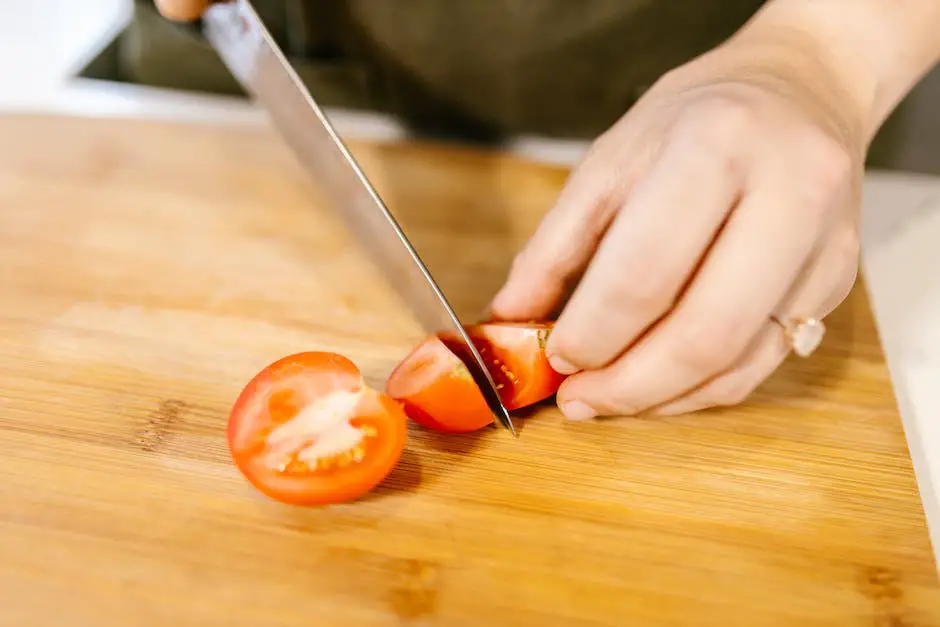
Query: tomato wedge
{"x": 515, "y": 355}
{"x": 306, "y": 430}
{"x": 439, "y": 393}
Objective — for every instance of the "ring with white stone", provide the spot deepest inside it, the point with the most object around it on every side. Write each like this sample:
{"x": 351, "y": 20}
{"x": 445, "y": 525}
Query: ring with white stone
{"x": 804, "y": 335}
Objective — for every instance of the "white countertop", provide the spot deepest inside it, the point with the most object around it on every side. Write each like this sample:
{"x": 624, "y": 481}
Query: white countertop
{"x": 44, "y": 42}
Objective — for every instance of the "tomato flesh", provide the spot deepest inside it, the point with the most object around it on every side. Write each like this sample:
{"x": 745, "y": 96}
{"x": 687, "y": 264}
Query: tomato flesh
{"x": 437, "y": 390}
{"x": 439, "y": 393}
{"x": 515, "y": 356}
{"x": 306, "y": 430}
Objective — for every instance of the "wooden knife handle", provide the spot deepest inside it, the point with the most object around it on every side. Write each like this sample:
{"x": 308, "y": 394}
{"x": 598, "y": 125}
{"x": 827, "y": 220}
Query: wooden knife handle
{"x": 183, "y": 10}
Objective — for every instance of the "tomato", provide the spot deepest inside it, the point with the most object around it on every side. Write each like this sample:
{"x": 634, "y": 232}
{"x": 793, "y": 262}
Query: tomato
{"x": 306, "y": 430}
{"x": 515, "y": 355}
{"x": 439, "y": 393}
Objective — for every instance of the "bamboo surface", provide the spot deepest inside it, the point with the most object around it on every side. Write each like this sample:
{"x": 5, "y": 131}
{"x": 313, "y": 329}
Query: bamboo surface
{"x": 149, "y": 270}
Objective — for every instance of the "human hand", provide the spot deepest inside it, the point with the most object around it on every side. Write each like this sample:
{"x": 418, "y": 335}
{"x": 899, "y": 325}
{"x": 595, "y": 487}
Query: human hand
{"x": 182, "y": 10}
{"x": 728, "y": 194}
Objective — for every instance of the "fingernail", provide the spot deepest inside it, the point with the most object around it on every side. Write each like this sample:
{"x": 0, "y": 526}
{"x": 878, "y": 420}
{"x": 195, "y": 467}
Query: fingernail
{"x": 577, "y": 411}
{"x": 561, "y": 366}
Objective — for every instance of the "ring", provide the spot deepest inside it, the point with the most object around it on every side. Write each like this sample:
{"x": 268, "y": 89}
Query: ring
{"x": 803, "y": 334}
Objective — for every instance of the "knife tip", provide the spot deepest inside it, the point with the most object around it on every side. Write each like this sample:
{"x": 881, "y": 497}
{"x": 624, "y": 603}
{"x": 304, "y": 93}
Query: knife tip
{"x": 503, "y": 419}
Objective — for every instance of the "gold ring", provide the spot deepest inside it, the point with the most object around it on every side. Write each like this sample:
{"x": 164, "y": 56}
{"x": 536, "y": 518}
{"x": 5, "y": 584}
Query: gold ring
{"x": 804, "y": 335}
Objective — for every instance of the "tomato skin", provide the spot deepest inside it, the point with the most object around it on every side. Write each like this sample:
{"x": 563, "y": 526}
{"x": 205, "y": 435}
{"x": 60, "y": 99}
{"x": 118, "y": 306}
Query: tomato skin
{"x": 432, "y": 382}
{"x": 278, "y": 393}
{"x": 523, "y": 369}
{"x": 438, "y": 392}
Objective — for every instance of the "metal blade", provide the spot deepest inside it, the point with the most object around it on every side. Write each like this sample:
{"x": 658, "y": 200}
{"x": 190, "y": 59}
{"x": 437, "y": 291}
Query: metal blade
{"x": 235, "y": 31}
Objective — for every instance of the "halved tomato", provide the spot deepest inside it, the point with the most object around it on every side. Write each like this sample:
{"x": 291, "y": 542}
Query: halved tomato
{"x": 439, "y": 393}
{"x": 306, "y": 430}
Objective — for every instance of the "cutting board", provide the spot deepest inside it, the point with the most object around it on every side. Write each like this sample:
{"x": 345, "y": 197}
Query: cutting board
{"x": 149, "y": 270}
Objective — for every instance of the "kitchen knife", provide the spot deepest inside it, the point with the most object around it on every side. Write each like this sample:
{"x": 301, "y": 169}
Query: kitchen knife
{"x": 246, "y": 47}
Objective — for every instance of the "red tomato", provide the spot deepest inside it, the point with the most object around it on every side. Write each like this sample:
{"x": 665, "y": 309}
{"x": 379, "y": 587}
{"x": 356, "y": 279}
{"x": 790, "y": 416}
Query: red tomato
{"x": 308, "y": 431}
{"x": 439, "y": 393}
{"x": 515, "y": 355}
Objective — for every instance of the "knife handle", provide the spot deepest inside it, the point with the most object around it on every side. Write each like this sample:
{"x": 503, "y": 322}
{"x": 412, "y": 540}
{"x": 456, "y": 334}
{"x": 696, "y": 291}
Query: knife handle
{"x": 183, "y": 10}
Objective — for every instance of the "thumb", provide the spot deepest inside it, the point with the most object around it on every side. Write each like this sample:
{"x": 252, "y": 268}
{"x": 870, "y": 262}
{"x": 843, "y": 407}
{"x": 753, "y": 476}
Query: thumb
{"x": 544, "y": 272}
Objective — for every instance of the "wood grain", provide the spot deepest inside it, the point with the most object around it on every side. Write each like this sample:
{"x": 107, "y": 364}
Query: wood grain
{"x": 148, "y": 270}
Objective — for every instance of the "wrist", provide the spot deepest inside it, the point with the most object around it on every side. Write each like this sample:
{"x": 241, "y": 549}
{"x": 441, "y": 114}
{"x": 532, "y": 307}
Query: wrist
{"x": 862, "y": 56}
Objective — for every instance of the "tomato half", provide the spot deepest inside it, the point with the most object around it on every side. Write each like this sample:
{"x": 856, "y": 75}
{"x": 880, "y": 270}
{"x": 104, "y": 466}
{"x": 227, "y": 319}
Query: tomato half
{"x": 306, "y": 430}
{"x": 439, "y": 393}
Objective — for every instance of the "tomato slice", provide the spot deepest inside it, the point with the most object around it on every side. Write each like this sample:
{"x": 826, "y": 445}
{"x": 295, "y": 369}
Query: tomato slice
{"x": 515, "y": 355}
{"x": 439, "y": 393}
{"x": 306, "y": 430}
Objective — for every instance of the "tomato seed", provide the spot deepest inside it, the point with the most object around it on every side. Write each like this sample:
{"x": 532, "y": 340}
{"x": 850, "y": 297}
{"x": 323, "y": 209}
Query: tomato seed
{"x": 368, "y": 431}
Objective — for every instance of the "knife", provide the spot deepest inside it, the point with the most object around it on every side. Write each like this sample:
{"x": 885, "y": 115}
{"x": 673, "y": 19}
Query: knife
{"x": 246, "y": 47}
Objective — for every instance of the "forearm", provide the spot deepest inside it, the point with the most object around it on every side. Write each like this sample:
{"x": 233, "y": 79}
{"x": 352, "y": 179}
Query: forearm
{"x": 874, "y": 50}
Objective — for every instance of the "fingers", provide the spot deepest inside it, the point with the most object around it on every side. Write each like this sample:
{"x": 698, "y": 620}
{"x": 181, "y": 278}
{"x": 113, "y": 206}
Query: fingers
{"x": 647, "y": 256}
{"x": 752, "y": 266}
{"x": 182, "y": 10}
{"x": 768, "y": 352}
{"x": 555, "y": 256}
{"x": 827, "y": 283}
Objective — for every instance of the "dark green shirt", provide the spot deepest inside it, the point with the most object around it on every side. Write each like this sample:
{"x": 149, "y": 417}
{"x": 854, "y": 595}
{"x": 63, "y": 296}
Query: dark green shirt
{"x": 556, "y": 67}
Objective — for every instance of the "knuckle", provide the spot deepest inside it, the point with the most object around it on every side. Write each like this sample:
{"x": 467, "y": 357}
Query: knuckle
{"x": 840, "y": 294}
{"x": 731, "y": 115}
{"x": 647, "y": 294}
{"x": 832, "y": 161}
{"x": 711, "y": 346}
{"x": 845, "y": 249}
{"x": 827, "y": 170}
{"x": 718, "y": 123}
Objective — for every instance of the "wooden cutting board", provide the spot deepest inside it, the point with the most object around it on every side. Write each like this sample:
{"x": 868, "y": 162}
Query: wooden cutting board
{"x": 147, "y": 271}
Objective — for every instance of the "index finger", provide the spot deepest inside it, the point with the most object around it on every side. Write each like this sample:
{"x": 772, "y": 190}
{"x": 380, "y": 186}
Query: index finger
{"x": 647, "y": 256}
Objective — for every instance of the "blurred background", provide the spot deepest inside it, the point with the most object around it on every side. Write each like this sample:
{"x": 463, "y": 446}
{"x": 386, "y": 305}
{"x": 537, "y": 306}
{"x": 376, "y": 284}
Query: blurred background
{"x": 126, "y": 43}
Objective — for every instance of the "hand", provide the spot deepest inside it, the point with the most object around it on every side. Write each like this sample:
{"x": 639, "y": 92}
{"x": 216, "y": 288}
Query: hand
{"x": 729, "y": 193}
{"x": 182, "y": 10}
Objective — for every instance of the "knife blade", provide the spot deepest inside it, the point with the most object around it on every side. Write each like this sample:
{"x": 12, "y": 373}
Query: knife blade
{"x": 236, "y": 32}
